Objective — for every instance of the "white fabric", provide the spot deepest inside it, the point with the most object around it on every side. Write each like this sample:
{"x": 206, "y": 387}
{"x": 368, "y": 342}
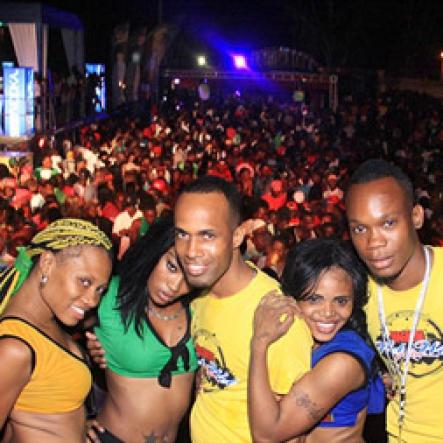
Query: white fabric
{"x": 24, "y": 39}
{"x": 37, "y": 201}
{"x": 124, "y": 221}
{"x": 92, "y": 160}
{"x": 73, "y": 44}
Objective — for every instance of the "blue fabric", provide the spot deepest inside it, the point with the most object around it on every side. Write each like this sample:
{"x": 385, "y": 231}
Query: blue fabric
{"x": 345, "y": 412}
{"x": 377, "y": 396}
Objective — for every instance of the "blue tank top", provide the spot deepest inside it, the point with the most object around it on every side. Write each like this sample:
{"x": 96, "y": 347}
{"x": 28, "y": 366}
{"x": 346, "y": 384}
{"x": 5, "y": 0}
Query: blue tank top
{"x": 345, "y": 412}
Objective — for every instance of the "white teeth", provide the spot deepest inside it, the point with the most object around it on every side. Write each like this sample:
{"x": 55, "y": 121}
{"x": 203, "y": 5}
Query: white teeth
{"x": 195, "y": 269}
{"x": 79, "y": 310}
{"x": 326, "y": 327}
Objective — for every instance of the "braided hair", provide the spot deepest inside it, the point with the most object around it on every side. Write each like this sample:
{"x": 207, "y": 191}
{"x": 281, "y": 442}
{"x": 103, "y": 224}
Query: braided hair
{"x": 57, "y": 236}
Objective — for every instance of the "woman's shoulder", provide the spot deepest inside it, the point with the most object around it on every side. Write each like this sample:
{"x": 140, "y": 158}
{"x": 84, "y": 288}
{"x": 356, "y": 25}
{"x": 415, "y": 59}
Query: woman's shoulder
{"x": 107, "y": 308}
{"x": 345, "y": 341}
{"x": 16, "y": 344}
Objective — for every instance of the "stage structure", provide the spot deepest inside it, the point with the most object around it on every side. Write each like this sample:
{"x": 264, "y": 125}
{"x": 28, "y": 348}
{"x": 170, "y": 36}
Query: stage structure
{"x": 19, "y": 101}
{"x": 29, "y": 25}
{"x": 95, "y": 72}
{"x": 318, "y": 89}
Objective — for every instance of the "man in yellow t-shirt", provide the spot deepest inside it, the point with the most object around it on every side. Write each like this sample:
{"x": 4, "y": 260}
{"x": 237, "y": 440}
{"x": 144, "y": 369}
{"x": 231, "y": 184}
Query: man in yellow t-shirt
{"x": 405, "y": 308}
{"x": 208, "y": 237}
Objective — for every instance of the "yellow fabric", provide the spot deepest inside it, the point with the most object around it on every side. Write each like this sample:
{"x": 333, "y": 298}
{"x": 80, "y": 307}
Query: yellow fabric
{"x": 8, "y": 281}
{"x": 424, "y": 386}
{"x": 222, "y": 329}
{"x": 60, "y": 381}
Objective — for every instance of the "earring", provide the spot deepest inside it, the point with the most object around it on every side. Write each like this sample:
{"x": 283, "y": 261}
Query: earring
{"x": 43, "y": 280}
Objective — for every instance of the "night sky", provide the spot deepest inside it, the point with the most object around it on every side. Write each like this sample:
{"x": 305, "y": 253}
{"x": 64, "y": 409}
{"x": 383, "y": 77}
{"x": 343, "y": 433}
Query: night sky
{"x": 392, "y": 34}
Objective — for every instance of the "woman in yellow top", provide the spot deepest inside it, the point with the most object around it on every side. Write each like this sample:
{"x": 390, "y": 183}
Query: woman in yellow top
{"x": 44, "y": 379}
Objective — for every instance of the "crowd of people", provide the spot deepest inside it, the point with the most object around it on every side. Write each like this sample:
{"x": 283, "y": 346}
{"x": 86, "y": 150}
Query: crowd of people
{"x": 248, "y": 182}
{"x": 126, "y": 172}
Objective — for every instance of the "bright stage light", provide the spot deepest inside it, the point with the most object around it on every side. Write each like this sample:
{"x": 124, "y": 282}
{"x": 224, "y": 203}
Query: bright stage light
{"x": 240, "y": 61}
{"x": 201, "y": 60}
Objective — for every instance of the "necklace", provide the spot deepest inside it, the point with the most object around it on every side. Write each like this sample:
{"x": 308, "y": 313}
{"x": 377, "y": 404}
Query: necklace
{"x": 393, "y": 365}
{"x": 155, "y": 313}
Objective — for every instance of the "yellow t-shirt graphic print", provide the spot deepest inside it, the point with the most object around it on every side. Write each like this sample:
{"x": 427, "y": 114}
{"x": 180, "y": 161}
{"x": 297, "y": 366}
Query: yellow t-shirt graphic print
{"x": 424, "y": 384}
{"x": 213, "y": 370}
{"x": 222, "y": 330}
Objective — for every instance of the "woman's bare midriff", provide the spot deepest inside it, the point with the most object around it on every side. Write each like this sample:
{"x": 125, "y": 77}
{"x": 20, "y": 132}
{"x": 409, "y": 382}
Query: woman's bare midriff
{"x": 351, "y": 434}
{"x": 29, "y": 427}
{"x": 138, "y": 408}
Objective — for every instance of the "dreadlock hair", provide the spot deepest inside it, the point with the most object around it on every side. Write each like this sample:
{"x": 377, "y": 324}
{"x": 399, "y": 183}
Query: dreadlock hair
{"x": 307, "y": 262}
{"x": 375, "y": 169}
{"x": 136, "y": 267}
{"x": 56, "y": 237}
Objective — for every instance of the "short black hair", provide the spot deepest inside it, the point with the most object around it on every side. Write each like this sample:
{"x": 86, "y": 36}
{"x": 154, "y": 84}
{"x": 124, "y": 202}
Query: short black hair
{"x": 375, "y": 168}
{"x": 147, "y": 201}
{"x": 209, "y": 184}
{"x": 308, "y": 260}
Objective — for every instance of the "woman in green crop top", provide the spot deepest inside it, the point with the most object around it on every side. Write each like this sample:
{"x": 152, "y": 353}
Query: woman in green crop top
{"x": 144, "y": 331}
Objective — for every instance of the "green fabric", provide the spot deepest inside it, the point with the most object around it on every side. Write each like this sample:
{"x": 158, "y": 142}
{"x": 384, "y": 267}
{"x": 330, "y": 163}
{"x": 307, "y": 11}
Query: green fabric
{"x": 131, "y": 356}
{"x": 60, "y": 196}
{"x": 23, "y": 264}
{"x": 144, "y": 227}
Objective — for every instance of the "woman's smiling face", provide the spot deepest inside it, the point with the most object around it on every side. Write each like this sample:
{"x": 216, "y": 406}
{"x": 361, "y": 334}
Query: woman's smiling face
{"x": 328, "y": 306}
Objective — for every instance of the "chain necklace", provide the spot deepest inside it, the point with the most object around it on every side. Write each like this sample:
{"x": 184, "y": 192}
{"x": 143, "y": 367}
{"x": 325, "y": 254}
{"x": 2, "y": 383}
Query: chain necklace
{"x": 155, "y": 313}
{"x": 393, "y": 366}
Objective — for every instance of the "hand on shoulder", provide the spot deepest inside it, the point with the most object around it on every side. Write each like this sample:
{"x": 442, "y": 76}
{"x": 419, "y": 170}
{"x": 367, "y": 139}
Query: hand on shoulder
{"x": 273, "y": 317}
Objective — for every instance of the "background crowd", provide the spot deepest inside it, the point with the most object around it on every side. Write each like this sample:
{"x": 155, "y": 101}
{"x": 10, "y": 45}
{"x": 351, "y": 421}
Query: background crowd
{"x": 291, "y": 166}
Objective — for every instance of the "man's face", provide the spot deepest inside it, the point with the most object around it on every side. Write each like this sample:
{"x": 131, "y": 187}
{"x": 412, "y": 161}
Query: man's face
{"x": 150, "y": 215}
{"x": 261, "y": 238}
{"x": 262, "y": 213}
{"x": 332, "y": 182}
{"x": 205, "y": 237}
{"x": 47, "y": 162}
{"x": 383, "y": 227}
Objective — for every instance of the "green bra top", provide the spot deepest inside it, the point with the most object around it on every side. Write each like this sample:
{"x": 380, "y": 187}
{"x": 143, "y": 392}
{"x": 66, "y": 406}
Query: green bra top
{"x": 129, "y": 355}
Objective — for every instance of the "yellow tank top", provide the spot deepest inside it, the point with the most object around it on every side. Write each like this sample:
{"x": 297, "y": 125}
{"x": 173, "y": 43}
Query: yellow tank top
{"x": 60, "y": 380}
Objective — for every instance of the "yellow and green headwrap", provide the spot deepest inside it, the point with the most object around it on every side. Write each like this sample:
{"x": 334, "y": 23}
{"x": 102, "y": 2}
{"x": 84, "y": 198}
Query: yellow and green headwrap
{"x": 61, "y": 234}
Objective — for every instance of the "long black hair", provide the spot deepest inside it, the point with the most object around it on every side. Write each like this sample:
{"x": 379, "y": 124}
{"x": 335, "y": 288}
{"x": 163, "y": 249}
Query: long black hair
{"x": 306, "y": 263}
{"x": 135, "y": 268}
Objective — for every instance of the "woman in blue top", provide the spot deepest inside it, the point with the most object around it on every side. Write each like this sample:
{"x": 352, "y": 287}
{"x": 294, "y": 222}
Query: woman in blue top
{"x": 331, "y": 401}
{"x": 144, "y": 331}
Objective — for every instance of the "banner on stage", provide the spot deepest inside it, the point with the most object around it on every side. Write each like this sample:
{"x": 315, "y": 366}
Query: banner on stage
{"x": 19, "y": 101}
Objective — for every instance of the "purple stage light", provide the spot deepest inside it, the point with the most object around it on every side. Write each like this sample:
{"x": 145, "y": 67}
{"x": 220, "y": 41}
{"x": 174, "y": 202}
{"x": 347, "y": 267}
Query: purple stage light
{"x": 240, "y": 61}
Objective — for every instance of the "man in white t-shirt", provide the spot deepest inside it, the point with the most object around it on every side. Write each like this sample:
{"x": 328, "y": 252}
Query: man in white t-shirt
{"x": 123, "y": 223}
